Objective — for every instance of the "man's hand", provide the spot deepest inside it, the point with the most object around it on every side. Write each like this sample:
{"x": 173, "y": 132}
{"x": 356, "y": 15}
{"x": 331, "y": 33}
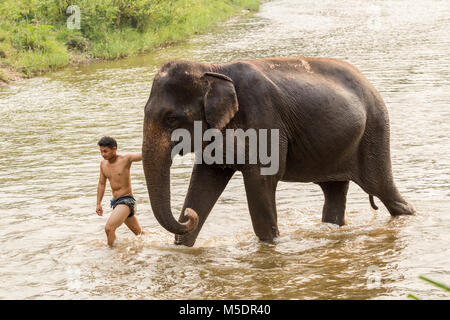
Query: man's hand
{"x": 99, "y": 210}
{"x": 100, "y": 191}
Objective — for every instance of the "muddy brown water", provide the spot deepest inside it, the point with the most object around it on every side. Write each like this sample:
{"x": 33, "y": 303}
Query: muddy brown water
{"x": 53, "y": 244}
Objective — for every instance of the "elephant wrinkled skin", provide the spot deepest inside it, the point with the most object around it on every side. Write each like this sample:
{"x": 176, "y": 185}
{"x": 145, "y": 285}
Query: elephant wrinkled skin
{"x": 333, "y": 128}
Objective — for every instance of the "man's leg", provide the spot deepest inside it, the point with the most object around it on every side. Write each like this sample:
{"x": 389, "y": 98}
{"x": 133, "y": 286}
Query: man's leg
{"x": 133, "y": 224}
{"x": 118, "y": 216}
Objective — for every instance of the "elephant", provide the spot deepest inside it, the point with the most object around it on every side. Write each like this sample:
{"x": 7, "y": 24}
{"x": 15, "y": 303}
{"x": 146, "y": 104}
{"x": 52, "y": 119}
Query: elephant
{"x": 333, "y": 128}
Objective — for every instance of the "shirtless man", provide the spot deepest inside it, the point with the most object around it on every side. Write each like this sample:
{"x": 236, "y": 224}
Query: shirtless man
{"x": 116, "y": 168}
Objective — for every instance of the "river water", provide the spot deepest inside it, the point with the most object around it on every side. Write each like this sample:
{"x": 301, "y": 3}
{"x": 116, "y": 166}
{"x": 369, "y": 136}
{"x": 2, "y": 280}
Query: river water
{"x": 53, "y": 244}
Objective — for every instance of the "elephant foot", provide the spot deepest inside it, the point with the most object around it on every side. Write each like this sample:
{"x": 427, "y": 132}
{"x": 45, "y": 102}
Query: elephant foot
{"x": 334, "y": 219}
{"x": 187, "y": 240}
{"x": 400, "y": 208}
{"x": 267, "y": 235}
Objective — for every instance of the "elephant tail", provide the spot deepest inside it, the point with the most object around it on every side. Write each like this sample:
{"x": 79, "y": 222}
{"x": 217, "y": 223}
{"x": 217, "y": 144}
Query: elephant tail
{"x": 372, "y": 202}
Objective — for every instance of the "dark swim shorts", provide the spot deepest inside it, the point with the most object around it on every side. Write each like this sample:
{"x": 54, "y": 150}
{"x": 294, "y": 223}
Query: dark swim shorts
{"x": 130, "y": 201}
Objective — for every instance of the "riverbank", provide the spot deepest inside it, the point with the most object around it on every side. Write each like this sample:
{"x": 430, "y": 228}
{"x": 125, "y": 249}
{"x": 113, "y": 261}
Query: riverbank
{"x": 38, "y": 36}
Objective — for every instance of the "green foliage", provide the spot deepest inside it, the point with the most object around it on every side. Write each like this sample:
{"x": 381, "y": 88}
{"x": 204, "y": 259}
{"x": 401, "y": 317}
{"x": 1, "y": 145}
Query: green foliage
{"x": 73, "y": 39}
{"x": 3, "y": 76}
{"x": 34, "y": 36}
{"x": 434, "y": 283}
{"x": 413, "y": 297}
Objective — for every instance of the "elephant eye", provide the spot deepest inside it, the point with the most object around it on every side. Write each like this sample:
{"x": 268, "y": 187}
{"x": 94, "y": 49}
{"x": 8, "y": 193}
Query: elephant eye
{"x": 171, "y": 120}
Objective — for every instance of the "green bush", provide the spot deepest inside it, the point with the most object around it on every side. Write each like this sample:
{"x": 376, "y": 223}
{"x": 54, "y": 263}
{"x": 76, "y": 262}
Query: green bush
{"x": 34, "y": 36}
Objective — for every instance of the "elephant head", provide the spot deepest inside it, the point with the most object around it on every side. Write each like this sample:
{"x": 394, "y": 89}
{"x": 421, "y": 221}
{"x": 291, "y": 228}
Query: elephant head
{"x": 182, "y": 93}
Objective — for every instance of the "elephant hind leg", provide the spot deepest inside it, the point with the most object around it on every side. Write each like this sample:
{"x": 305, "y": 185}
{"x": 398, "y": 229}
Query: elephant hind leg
{"x": 335, "y": 193}
{"x": 395, "y": 203}
{"x": 387, "y": 192}
{"x": 399, "y": 208}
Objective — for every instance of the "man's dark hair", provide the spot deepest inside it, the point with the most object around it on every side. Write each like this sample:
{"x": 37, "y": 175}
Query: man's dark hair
{"x": 107, "y": 142}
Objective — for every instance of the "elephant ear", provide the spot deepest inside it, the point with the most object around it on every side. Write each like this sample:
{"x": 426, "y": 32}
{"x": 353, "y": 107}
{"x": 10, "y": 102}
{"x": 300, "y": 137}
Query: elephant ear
{"x": 220, "y": 103}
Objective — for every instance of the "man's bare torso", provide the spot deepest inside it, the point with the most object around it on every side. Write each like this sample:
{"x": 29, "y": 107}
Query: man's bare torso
{"x": 118, "y": 174}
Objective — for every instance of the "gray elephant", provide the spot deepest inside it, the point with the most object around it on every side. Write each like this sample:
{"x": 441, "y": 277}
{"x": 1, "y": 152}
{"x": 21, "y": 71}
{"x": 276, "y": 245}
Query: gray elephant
{"x": 333, "y": 128}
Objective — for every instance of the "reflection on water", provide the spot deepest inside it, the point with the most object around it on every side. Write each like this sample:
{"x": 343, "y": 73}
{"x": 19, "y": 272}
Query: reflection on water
{"x": 53, "y": 243}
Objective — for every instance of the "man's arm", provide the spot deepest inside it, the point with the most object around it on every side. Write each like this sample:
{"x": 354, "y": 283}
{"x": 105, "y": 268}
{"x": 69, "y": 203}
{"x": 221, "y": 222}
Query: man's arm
{"x": 134, "y": 157}
{"x": 100, "y": 191}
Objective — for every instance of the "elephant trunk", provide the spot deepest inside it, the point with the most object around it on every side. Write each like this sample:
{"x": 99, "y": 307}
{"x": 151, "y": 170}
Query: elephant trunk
{"x": 157, "y": 161}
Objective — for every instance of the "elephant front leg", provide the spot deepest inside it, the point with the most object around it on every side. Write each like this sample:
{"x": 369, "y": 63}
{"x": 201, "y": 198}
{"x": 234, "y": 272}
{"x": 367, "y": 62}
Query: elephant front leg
{"x": 206, "y": 185}
{"x": 260, "y": 192}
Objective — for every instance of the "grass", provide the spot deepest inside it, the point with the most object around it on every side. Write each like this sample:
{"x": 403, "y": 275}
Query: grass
{"x": 34, "y": 37}
{"x": 3, "y": 76}
{"x": 434, "y": 283}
